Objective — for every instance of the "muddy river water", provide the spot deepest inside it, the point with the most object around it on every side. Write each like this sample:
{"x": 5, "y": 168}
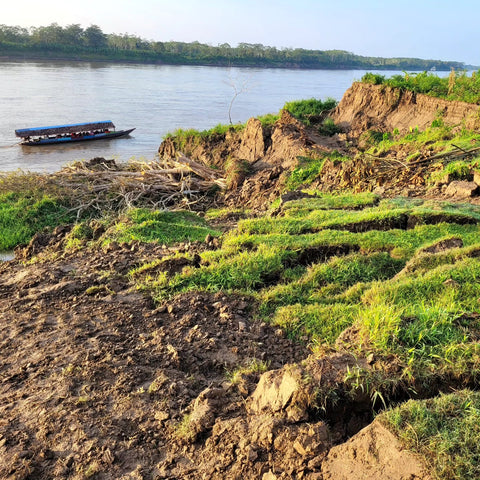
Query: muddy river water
{"x": 154, "y": 99}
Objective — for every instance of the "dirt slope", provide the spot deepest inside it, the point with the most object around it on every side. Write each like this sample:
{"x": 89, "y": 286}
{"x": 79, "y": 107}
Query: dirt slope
{"x": 95, "y": 381}
{"x": 373, "y": 453}
{"x": 377, "y": 107}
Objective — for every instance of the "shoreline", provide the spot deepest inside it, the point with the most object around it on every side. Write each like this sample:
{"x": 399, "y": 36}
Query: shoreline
{"x": 29, "y": 57}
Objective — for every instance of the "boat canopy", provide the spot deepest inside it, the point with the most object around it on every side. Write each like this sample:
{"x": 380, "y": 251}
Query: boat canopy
{"x": 59, "y": 129}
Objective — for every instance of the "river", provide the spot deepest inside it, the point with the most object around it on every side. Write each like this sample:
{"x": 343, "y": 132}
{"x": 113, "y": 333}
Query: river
{"x": 154, "y": 99}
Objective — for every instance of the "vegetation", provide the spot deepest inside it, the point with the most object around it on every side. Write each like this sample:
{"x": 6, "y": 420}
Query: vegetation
{"x": 436, "y": 139}
{"x": 73, "y": 41}
{"x": 308, "y": 169}
{"x": 21, "y": 216}
{"x": 307, "y": 110}
{"x": 312, "y": 112}
{"x": 444, "y": 430}
{"x": 139, "y": 224}
{"x": 458, "y": 86}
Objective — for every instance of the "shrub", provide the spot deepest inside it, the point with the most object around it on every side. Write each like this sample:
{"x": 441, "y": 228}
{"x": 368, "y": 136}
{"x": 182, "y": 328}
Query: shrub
{"x": 373, "y": 78}
{"x": 328, "y": 128}
{"x": 306, "y": 110}
{"x": 458, "y": 86}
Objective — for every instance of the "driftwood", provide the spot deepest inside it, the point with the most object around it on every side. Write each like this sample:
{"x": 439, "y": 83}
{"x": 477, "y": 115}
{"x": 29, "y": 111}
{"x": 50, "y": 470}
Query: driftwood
{"x": 447, "y": 157}
{"x": 452, "y": 155}
{"x": 103, "y": 185}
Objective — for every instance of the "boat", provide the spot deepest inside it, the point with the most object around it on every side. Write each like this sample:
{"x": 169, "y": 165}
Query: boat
{"x": 76, "y": 132}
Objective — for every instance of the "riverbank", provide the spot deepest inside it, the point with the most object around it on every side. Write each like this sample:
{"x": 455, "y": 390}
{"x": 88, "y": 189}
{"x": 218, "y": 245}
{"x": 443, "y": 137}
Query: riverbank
{"x": 227, "y": 63}
{"x": 327, "y": 279}
{"x": 89, "y": 45}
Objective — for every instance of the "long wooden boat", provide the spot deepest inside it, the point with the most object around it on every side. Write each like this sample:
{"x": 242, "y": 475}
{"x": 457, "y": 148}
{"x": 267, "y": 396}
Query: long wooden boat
{"x": 77, "y": 132}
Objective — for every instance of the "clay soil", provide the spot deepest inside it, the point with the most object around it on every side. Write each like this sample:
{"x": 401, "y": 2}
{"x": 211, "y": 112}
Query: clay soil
{"x": 95, "y": 379}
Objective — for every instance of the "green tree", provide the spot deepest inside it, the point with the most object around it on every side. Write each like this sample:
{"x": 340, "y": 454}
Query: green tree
{"x": 94, "y": 37}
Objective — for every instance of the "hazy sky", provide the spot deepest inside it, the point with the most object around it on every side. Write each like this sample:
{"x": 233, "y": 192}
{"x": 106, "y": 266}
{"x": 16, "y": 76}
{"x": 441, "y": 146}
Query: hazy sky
{"x": 429, "y": 29}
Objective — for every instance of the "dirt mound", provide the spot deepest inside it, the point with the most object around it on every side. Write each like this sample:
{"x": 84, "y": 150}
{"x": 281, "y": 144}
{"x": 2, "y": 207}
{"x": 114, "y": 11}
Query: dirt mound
{"x": 260, "y": 146}
{"x": 377, "y": 107}
{"x": 373, "y": 454}
{"x": 268, "y": 152}
{"x": 258, "y": 190}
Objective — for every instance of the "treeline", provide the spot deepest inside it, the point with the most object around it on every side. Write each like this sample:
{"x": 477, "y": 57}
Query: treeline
{"x": 74, "y": 42}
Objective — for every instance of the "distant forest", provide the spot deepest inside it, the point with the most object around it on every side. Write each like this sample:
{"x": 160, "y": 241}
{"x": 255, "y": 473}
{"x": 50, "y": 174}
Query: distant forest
{"x": 76, "y": 43}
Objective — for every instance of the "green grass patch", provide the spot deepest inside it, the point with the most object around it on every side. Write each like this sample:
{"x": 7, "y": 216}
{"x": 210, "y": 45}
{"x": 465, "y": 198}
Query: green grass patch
{"x": 308, "y": 110}
{"x": 320, "y": 324}
{"x": 23, "y": 215}
{"x": 225, "y": 213}
{"x": 458, "y": 86}
{"x": 458, "y": 170}
{"x": 309, "y": 169}
{"x": 158, "y": 226}
{"x": 329, "y": 201}
{"x": 301, "y": 217}
{"x": 240, "y": 271}
{"x": 322, "y": 281}
{"x": 444, "y": 430}
{"x": 429, "y": 320}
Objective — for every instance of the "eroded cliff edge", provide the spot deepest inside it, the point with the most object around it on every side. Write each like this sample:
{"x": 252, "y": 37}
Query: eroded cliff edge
{"x": 377, "y": 107}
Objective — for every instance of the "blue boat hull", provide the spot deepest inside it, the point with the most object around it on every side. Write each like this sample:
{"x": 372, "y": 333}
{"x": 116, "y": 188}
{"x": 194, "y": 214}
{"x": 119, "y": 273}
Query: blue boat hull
{"x": 84, "y": 138}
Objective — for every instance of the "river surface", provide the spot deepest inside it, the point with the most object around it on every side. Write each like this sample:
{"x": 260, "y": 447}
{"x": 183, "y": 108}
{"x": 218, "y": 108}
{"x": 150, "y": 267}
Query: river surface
{"x": 153, "y": 99}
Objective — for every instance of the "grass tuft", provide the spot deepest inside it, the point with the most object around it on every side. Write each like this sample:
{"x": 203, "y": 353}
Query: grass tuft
{"x": 444, "y": 430}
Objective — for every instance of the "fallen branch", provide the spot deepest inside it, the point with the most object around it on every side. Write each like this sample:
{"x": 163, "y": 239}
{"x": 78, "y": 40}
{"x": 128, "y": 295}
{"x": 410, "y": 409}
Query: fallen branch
{"x": 168, "y": 183}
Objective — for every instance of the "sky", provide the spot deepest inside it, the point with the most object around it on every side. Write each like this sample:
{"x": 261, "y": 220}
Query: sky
{"x": 428, "y": 29}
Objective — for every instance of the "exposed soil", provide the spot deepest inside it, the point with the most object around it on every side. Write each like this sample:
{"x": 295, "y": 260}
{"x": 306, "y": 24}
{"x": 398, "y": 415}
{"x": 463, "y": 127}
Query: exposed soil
{"x": 373, "y": 453}
{"x": 97, "y": 380}
{"x": 377, "y": 107}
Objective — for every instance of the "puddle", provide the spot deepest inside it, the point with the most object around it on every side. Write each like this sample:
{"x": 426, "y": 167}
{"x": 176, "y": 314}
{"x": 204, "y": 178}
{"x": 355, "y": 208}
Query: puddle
{"x": 5, "y": 256}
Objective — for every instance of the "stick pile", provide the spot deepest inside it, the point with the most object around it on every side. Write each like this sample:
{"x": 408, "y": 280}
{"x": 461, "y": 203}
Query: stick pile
{"x": 103, "y": 185}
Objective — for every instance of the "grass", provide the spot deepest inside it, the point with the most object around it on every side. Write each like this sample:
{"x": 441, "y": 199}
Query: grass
{"x": 314, "y": 282}
{"x": 328, "y": 201}
{"x": 254, "y": 366}
{"x": 309, "y": 169}
{"x": 438, "y": 138}
{"x": 458, "y": 86}
{"x": 23, "y": 215}
{"x": 182, "y": 137}
{"x": 321, "y": 324}
{"x": 444, "y": 430}
{"x": 307, "y": 110}
{"x": 164, "y": 227}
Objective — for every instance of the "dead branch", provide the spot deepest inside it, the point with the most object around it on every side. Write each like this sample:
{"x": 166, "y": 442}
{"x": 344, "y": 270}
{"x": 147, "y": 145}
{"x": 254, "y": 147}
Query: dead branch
{"x": 164, "y": 183}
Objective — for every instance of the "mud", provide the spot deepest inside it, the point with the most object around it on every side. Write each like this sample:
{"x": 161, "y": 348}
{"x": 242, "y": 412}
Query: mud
{"x": 96, "y": 378}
